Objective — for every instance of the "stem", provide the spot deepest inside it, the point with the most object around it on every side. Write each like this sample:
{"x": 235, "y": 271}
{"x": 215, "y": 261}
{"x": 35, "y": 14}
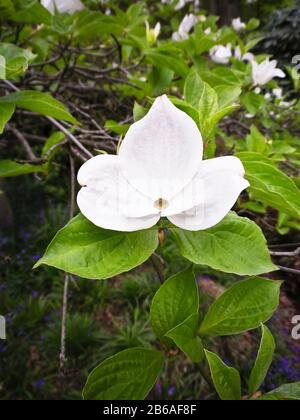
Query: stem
{"x": 62, "y": 355}
{"x": 158, "y": 267}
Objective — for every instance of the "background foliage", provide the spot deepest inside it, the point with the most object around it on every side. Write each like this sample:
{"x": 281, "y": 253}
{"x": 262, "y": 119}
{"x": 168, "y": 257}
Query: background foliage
{"x": 99, "y": 69}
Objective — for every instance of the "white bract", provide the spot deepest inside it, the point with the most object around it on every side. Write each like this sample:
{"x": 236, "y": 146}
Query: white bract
{"x": 159, "y": 172}
{"x": 264, "y": 72}
{"x": 187, "y": 24}
{"x": 238, "y": 25}
{"x": 63, "y": 6}
{"x": 221, "y": 54}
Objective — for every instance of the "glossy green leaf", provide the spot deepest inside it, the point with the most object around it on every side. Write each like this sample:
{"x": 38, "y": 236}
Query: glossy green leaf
{"x": 243, "y": 307}
{"x": 6, "y": 112}
{"x": 288, "y": 392}
{"x": 270, "y": 185}
{"x": 226, "y": 379}
{"x": 174, "y": 302}
{"x": 39, "y": 102}
{"x": 9, "y": 168}
{"x": 263, "y": 360}
{"x": 185, "y": 337}
{"x": 86, "y": 250}
{"x": 256, "y": 142}
{"x": 128, "y": 375}
{"x": 236, "y": 245}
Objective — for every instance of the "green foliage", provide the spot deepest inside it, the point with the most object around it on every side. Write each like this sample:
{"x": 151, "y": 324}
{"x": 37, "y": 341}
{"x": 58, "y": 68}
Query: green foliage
{"x": 247, "y": 303}
{"x": 263, "y": 360}
{"x": 235, "y": 245}
{"x": 226, "y": 379}
{"x": 83, "y": 249}
{"x": 128, "y": 375}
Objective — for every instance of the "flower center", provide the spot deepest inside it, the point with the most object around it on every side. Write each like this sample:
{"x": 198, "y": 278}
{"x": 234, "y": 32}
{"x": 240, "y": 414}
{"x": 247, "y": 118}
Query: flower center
{"x": 161, "y": 204}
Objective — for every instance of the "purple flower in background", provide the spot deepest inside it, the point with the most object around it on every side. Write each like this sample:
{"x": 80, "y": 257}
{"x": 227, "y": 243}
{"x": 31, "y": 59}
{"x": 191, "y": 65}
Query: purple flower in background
{"x": 171, "y": 391}
{"x": 39, "y": 384}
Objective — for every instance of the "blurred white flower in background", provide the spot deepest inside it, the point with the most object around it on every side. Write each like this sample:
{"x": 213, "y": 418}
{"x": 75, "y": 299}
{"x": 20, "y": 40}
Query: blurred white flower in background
{"x": 185, "y": 27}
{"x": 278, "y": 93}
{"x": 152, "y": 34}
{"x": 159, "y": 172}
{"x": 63, "y": 6}
{"x": 246, "y": 57}
{"x": 207, "y": 31}
{"x": 238, "y": 25}
{"x": 264, "y": 72}
{"x": 221, "y": 54}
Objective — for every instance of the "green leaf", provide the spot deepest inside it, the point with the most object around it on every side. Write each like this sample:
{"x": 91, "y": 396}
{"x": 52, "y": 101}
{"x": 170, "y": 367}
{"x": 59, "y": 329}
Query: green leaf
{"x": 243, "y": 307}
{"x": 270, "y": 185}
{"x": 288, "y": 392}
{"x": 16, "y": 59}
{"x": 263, "y": 360}
{"x": 6, "y": 112}
{"x": 9, "y": 168}
{"x": 256, "y": 142}
{"x": 128, "y": 375}
{"x": 226, "y": 379}
{"x": 227, "y": 95}
{"x": 165, "y": 60}
{"x": 185, "y": 337}
{"x": 39, "y": 102}
{"x": 86, "y": 250}
{"x": 174, "y": 302}
{"x": 6, "y": 9}
{"x": 252, "y": 102}
{"x": 236, "y": 245}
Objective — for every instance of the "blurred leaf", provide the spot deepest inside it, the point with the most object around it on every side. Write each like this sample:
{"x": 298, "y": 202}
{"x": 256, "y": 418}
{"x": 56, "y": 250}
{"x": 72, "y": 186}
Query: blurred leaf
{"x": 252, "y": 102}
{"x": 129, "y": 375}
{"x": 6, "y": 112}
{"x": 241, "y": 308}
{"x": 9, "y": 168}
{"x": 256, "y": 142}
{"x": 270, "y": 185}
{"x": 42, "y": 103}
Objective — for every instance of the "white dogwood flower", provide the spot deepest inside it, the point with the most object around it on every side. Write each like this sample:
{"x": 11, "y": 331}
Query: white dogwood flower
{"x": 238, "y": 25}
{"x": 187, "y": 24}
{"x": 159, "y": 172}
{"x": 63, "y": 6}
{"x": 264, "y": 72}
{"x": 221, "y": 54}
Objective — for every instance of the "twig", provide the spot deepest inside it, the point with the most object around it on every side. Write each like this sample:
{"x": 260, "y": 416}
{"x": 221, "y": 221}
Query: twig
{"x": 289, "y": 270}
{"x": 62, "y": 356}
{"x": 286, "y": 254}
{"x": 158, "y": 267}
{"x": 24, "y": 143}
